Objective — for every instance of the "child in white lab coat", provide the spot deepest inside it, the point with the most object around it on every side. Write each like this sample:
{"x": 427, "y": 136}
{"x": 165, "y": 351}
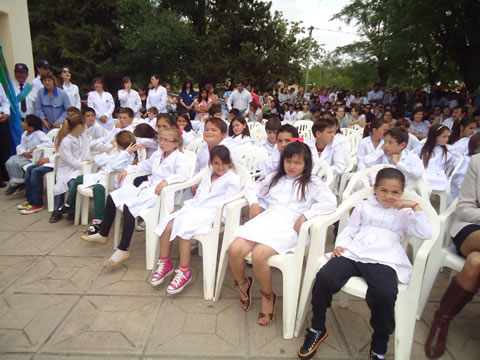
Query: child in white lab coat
{"x": 370, "y": 246}
{"x": 185, "y": 125}
{"x": 168, "y": 165}
{"x": 102, "y": 102}
{"x": 117, "y": 162}
{"x": 373, "y": 134}
{"x": 73, "y": 147}
{"x": 238, "y": 134}
{"x": 461, "y": 132}
{"x": 279, "y": 205}
{"x": 195, "y": 217}
{"x": 32, "y": 138}
{"x": 436, "y": 154}
{"x": 285, "y": 135}
{"x": 271, "y": 128}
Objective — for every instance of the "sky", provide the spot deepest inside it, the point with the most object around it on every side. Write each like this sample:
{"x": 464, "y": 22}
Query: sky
{"x": 317, "y": 13}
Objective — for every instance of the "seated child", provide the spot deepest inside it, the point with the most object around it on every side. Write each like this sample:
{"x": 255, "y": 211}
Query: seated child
{"x": 94, "y": 130}
{"x": 271, "y": 127}
{"x": 185, "y": 126}
{"x": 285, "y": 135}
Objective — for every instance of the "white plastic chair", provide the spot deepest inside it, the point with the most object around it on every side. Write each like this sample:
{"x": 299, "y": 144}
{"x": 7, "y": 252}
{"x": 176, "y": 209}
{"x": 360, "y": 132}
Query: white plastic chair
{"x": 445, "y": 195}
{"x": 346, "y": 175}
{"x": 258, "y": 134}
{"x": 52, "y": 135}
{"x": 253, "y": 125}
{"x": 251, "y": 157}
{"x": 304, "y": 128}
{"x": 289, "y": 264}
{"x": 408, "y": 294}
{"x": 443, "y": 254}
{"x": 195, "y": 144}
{"x": 37, "y": 154}
{"x": 323, "y": 170}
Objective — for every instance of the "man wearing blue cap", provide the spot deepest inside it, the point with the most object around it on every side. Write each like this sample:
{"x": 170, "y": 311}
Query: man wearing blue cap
{"x": 42, "y": 66}
{"x": 26, "y": 94}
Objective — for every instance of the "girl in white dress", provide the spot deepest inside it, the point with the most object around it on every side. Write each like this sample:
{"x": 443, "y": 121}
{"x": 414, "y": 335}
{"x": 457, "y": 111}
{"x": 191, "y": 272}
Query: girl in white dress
{"x": 168, "y": 165}
{"x": 436, "y": 155}
{"x": 461, "y": 132}
{"x": 185, "y": 126}
{"x": 102, "y": 102}
{"x": 288, "y": 196}
{"x": 370, "y": 246}
{"x": 195, "y": 217}
{"x": 238, "y": 134}
{"x": 73, "y": 147}
{"x": 372, "y": 140}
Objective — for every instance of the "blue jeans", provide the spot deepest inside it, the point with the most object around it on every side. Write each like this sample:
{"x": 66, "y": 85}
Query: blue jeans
{"x": 59, "y": 200}
{"x": 34, "y": 184}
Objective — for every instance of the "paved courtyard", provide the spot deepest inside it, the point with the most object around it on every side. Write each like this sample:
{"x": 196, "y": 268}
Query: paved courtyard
{"x": 58, "y": 303}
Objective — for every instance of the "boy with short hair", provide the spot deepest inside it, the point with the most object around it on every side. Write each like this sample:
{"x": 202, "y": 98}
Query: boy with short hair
{"x": 151, "y": 118}
{"x": 213, "y": 134}
{"x": 393, "y": 152}
{"x": 271, "y": 127}
{"x": 284, "y": 137}
{"x": 324, "y": 147}
{"x": 106, "y": 143}
{"x": 94, "y": 131}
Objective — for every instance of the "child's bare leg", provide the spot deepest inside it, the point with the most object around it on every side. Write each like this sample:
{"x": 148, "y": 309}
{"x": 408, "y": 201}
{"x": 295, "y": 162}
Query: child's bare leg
{"x": 237, "y": 251}
{"x": 184, "y": 247}
{"x": 165, "y": 240}
{"x": 260, "y": 255}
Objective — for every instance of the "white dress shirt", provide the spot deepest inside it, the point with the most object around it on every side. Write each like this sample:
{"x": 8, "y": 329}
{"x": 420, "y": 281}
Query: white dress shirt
{"x": 73, "y": 94}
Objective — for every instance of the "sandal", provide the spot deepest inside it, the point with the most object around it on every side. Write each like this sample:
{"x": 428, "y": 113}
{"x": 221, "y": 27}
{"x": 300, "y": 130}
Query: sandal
{"x": 245, "y": 304}
{"x": 268, "y": 316}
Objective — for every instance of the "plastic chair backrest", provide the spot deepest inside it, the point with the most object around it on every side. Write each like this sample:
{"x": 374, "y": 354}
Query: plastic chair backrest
{"x": 142, "y": 154}
{"x": 192, "y": 159}
{"x": 258, "y": 134}
{"x": 304, "y": 128}
{"x": 52, "y": 135}
{"x": 251, "y": 157}
{"x": 245, "y": 177}
{"x": 322, "y": 170}
{"x": 195, "y": 144}
{"x": 253, "y": 125}
{"x": 349, "y": 161}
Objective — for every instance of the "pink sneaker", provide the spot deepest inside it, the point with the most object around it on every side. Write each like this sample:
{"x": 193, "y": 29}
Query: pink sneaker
{"x": 163, "y": 270}
{"x": 180, "y": 281}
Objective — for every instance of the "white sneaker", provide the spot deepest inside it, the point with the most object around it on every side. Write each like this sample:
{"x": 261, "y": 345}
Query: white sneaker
{"x": 95, "y": 238}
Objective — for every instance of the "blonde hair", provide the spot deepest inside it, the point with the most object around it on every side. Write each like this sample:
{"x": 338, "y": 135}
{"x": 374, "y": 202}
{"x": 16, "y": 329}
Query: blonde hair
{"x": 125, "y": 138}
{"x": 176, "y": 136}
{"x": 68, "y": 125}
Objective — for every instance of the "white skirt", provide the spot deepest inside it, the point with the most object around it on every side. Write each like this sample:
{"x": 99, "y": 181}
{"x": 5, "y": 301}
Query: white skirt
{"x": 136, "y": 199}
{"x": 273, "y": 228}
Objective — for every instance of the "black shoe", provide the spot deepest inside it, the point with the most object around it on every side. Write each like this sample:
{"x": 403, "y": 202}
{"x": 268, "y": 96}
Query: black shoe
{"x": 55, "y": 217}
{"x": 93, "y": 229}
{"x": 66, "y": 210}
{"x": 11, "y": 190}
{"x": 2, "y": 184}
{"x": 312, "y": 340}
{"x": 20, "y": 189}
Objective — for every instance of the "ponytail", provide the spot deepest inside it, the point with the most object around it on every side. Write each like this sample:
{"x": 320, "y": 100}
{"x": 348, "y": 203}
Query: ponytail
{"x": 455, "y": 135}
{"x": 375, "y": 124}
{"x": 68, "y": 125}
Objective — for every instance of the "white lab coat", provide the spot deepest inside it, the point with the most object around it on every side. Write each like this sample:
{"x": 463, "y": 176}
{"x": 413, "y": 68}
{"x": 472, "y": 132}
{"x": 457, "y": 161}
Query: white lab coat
{"x": 268, "y": 146}
{"x": 413, "y": 142}
{"x": 232, "y": 142}
{"x": 95, "y": 131}
{"x": 461, "y": 146}
{"x": 375, "y": 234}
{"x": 73, "y": 94}
{"x": 151, "y": 145}
{"x": 343, "y": 141}
{"x": 72, "y": 152}
{"x": 158, "y": 98}
{"x": 103, "y": 105}
{"x": 203, "y": 156}
{"x": 173, "y": 169}
{"x": 116, "y": 162}
{"x": 271, "y": 164}
{"x": 37, "y": 139}
{"x": 435, "y": 171}
{"x": 188, "y": 136}
{"x": 409, "y": 163}
{"x": 366, "y": 147}
{"x": 333, "y": 154}
{"x": 197, "y": 214}
{"x": 104, "y": 144}
{"x": 131, "y": 100}
{"x": 274, "y": 226}
{"x": 457, "y": 178}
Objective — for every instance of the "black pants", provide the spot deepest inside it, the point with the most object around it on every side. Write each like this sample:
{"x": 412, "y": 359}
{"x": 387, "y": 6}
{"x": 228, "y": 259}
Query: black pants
{"x": 128, "y": 223}
{"x": 381, "y": 295}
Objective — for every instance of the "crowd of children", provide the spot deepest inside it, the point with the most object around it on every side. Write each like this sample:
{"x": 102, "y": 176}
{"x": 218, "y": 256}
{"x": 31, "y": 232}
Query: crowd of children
{"x": 285, "y": 195}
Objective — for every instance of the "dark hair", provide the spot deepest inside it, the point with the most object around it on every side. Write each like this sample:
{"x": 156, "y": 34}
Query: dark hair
{"x": 124, "y": 138}
{"x": 241, "y": 120}
{"x": 127, "y": 111}
{"x": 288, "y": 128}
{"x": 145, "y": 131}
{"x": 454, "y": 136}
{"x": 49, "y": 75}
{"x": 189, "y": 123}
{"x": 153, "y": 110}
{"x": 417, "y": 110}
{"x": 223, "y": 154}
{"x": 88, "y": 109}
{"x": 98, "y": 79}
{"x": 462, "y": 109}
{"x": 255, "y": 105}
{"x": 321, "y": 125}
{"x": 316, "y": 108}
{"x": 33, "y": 121}
{"x": 375, "y": 124}
{"x": 125, "y": 79}
{"x": 199, "y": 97}
{"x": 156, "y": 76}
{"x": 295, "y": 148}
{"x": 403, "y": 123}
{"x": 427, "y": 149}
{"x": 235, "y": 112}
{"x": 273, "y": 124}
{"x": 73, "y": 110}
{"x": 219, "y": 123}
{"x": 474, "y": 144}
{"x": 390, "y": 174}
{"x": 399, "y": 133}
{"x": 184, "y": 86}
{"x": 167, "y": 117}
{"x": 214, "y": 109}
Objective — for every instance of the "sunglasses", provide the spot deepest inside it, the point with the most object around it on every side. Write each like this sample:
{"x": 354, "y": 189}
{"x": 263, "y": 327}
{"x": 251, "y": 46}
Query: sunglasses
{"x": 66, "y": 71}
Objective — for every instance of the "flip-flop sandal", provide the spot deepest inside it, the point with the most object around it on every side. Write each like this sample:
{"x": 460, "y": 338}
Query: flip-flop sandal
{"x": 245, "y": 304}
{"x": 268, "y": 316}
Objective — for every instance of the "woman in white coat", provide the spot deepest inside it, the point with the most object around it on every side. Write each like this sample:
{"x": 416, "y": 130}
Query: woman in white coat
{"x": 157, "y": 96}
{"x": 69, "y": 88}
{"x": 168, "y": 165}
{"x": 290, "y": 196}
{"x": 73, "y": 148}
{"x": 196, "y": 217}
{"x": 129, "y": 97}
{"x": 102, "y": 102}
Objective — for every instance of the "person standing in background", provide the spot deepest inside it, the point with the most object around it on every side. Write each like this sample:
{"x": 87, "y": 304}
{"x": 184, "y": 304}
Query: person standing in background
{"x": 102, "y": 102}
{"x": 43, "y": 67}
{"x": 129, "y": 97}
{"x": 69, "y": 88}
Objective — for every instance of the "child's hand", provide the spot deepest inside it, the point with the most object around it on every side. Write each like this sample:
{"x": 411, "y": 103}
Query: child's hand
{"x": 298, "y": 223}
{"x": 405, "y": 204}
{"x": 112, "y": 142}
{"x": 42, "y": 161}
{"x": 255, "y": 209}
{"x": 122, "y": 176}
{"x": 194, "y": 189}
{"x": 338, "y": 251}
{"x": 89, "y": 161}
{"x": 395, "y": 158}
{"x": 131, "y": 148}
{"x": 27, "y": 154}
{"x": 160, "y": 187}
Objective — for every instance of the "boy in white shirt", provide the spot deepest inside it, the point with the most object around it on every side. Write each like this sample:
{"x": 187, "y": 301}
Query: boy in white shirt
{"x": 291, "y": 114}
{"x": 272, "y": 126}
{"x": 106, "y": 144}
{"x": 94, "y": 130}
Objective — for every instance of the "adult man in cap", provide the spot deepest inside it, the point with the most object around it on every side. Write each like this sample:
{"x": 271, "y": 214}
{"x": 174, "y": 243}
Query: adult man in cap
{"x": 42, "y": 66}
{"x": 4, "y": 135}
{"x": 26, "y": 94}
